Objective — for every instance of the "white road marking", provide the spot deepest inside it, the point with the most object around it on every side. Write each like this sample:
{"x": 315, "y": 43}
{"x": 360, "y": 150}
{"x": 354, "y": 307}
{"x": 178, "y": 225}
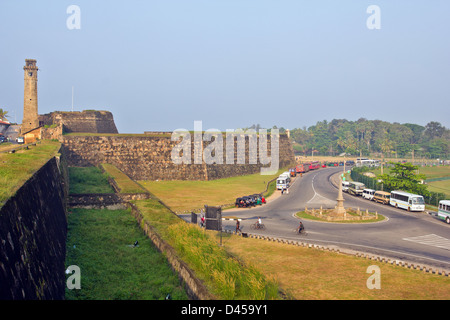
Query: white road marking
{"x": 431, "y": 240}
{"x": 317, "y": 198}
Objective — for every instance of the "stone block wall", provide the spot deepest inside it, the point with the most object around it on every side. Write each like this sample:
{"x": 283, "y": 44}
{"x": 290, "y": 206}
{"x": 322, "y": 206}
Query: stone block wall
{"x": 33, "y": 229}
{"x": 91, "y": 121}
{"x": 148, "y": 157}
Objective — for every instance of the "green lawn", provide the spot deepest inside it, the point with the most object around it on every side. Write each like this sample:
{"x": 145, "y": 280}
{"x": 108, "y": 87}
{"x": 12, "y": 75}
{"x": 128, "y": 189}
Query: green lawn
{"x": 100, "y": 243}
{"x": 183, "y": 196}
{"x": 16, "y": 168}
{"x": 88, "y": 180}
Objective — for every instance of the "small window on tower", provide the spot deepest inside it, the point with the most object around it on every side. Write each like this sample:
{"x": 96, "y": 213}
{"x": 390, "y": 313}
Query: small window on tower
{"x": 30, "y": 74}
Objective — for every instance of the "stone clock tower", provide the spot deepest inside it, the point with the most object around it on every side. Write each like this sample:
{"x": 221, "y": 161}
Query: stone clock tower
{"x": 30, "y": 103}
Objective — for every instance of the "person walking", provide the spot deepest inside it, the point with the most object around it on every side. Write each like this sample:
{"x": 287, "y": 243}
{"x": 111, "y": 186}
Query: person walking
{"x": 238, "y": 226}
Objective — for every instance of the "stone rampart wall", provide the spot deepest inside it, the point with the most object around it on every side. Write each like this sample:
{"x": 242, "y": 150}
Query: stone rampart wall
{"x": 149, "y": 157}
{"x": 91, "y": 121}
{"x": 33, "y": 229}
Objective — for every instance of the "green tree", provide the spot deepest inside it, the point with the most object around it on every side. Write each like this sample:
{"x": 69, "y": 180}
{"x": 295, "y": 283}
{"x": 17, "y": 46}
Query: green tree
{"x": 3, "y": 114}
{"x": 403, "y": 177}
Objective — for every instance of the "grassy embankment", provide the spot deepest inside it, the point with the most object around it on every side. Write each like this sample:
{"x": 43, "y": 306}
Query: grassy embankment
{"x": 126, "y": 185}
{"x": 16, "y": 168}
{"x": 88, "y": 180}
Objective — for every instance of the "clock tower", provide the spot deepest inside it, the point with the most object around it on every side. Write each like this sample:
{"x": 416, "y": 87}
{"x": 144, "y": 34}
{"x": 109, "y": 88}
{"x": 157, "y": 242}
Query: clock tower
{"x": 30, "y": 103}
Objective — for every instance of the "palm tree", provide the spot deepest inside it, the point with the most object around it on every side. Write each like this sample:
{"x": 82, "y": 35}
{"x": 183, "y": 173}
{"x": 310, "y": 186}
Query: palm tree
{"x": 3, "y": 114}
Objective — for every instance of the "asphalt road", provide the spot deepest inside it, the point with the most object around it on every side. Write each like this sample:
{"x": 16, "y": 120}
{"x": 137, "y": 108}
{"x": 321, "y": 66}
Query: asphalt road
{"x": 415, "y": 237}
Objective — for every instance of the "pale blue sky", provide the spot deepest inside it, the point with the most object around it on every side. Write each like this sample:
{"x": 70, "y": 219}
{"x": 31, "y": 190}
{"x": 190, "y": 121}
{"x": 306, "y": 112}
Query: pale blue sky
{"x": 160, "y": 65}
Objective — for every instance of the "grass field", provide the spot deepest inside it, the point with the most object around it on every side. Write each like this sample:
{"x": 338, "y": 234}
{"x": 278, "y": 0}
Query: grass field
{"x": 184, "y": 196}
{"x": 311, "y": 274}
{"x": 16, "y": 168}
{"x": 88, "y": 180}
{"x": 304, "y": 215}
{"x": 100, "y": 243}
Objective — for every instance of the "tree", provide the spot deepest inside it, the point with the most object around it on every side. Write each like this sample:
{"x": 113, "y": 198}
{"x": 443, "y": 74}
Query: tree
{"x": 434, "y": 130}
{"x": 3, "y": 114}
{"x": 403, "y": 177}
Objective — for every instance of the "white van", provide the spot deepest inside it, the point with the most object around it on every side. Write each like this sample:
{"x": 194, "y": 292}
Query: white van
{"x": 282, "y": 183}
{"x": 286, "y": 176}
{"x": 368, "y": 194}
{"x": 345, "y": 185}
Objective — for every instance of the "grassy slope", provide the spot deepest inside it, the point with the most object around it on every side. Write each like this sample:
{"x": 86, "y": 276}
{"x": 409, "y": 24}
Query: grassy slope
{"x": 17, "y": 168}
{"x": 88, "y": 180}
{"x": 124, "y": 182}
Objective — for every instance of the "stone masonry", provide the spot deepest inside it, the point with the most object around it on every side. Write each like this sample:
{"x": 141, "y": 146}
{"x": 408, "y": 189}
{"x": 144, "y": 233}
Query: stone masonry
{"x": 148, "y": 157}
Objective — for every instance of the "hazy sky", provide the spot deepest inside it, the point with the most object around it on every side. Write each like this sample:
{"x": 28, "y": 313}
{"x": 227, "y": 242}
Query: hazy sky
{"x": 160, "y": 65}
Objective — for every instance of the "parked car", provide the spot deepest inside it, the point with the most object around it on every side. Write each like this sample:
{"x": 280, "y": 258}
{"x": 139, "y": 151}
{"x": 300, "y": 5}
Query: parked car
{"x": 3, "y": 139}
{"x": 20, "y": 140}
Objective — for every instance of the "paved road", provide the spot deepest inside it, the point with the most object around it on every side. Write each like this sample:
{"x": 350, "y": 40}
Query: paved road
{"x": 415, "y": 237}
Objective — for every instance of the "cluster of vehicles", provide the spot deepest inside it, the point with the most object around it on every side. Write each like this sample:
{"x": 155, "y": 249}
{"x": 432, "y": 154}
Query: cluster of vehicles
{"x": 307, "y": 166}
{"x": 396, "y": 198}
{"x": 3, "y": 138}
{"x": 284, "y": 180}
{"x": 250, "y": 201}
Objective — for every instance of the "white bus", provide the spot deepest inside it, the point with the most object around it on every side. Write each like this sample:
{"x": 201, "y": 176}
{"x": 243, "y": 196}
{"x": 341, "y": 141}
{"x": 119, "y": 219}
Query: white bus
{"x": 356, "y": 188}
{"x": 406, "y": 200}
{"x": 444, "y": 210}
{"x": 282, "y": 183}
{"x": 345, "y": 185}
{"x": 368, "y": 194}
{"x": 360, "y": 162}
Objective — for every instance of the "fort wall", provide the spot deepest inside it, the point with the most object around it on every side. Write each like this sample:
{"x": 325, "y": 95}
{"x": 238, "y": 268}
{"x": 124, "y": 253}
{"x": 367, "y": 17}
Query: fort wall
{"x": 91, "y": 121}
{"x": 148, "y": 157}
{"x": 33, "y": 229}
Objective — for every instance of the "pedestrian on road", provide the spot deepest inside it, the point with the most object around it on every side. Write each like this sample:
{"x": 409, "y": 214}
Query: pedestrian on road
{"x": 238, "y": 226}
